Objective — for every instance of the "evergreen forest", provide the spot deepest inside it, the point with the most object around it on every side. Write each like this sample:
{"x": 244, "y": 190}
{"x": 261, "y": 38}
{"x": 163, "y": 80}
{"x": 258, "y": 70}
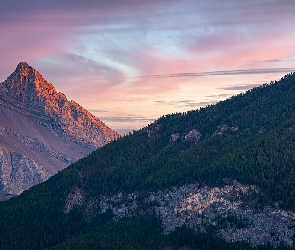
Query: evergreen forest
{"x": 249, "y": 137}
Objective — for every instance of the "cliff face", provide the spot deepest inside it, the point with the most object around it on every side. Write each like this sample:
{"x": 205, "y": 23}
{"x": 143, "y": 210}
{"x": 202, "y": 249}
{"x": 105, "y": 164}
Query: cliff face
{"x": 46, "y": 130}
{"x": 18, "y": 172}
{"x": 233, "y": 209}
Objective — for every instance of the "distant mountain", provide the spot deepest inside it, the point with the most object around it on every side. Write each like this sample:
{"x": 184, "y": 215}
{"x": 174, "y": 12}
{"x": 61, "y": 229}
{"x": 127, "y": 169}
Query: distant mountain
{"x": 41, "y": 132}
{"x": 221, "y": 177}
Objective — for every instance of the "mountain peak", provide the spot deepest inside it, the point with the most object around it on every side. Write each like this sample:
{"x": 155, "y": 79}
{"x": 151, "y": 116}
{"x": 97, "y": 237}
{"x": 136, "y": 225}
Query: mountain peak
{"x": 28, "y": 90}
{"x": 23, "y": 65}
{"x": 26, "y": 86}
{"x": 24, "y": 69}
{"x": 41, "y": 131}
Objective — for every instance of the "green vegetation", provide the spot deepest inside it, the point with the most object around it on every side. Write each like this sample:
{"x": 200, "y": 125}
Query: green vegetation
{"x": 256, "y": 146}
{"x": 144, "y": 233}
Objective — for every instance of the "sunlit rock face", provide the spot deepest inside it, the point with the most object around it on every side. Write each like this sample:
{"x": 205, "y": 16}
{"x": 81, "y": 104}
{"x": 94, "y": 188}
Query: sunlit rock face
{"x": 45, "y": 129}
{"x": 233, "y": 210}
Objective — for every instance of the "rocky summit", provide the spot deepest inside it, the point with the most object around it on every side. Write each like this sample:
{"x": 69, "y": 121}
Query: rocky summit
{"x": 41, "y": 132}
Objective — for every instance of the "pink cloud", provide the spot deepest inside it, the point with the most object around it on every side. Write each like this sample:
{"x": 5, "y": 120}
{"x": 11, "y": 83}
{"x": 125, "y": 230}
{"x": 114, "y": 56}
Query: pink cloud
{"x": 90, "y": 49}
{"x": 40, "y": 29}
{"x": 29, "y": 41}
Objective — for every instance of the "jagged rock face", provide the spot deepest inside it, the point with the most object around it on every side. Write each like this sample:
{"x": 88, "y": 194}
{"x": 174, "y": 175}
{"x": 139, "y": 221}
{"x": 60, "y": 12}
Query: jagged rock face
{"x": 27, "y": 89}
{"x": 232, "y": 209}
{"x": 19, "y": 173}
{"x": 43, "y": 128}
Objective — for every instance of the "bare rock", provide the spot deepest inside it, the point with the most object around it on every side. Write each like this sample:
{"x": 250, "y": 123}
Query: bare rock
{"x": 75, "y": 198}
{"x": 193, "y": 135}
{"x": 41, "y": 132}
{"x": 19, "y": 173}
{"x": 222, "y": 129}
{"x": 175, "y": 137}
{"x": 225, "y": 207}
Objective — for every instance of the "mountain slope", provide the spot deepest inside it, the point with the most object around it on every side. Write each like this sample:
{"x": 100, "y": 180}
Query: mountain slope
{"x": 41, "y": 131}
{"x": 219, "y": 174}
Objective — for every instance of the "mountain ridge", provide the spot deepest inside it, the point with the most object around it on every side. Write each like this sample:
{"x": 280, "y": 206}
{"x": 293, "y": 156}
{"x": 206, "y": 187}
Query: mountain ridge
{"x": 44, "y": 128}
{"x": 27, "y": 89}
{"x": 220, "y": 177}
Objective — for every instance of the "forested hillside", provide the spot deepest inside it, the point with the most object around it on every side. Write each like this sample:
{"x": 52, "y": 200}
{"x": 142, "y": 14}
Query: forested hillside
{"x": 249, "y": 138}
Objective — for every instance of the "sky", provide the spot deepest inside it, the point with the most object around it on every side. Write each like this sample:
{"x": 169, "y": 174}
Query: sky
{"x": 130, "y": 62}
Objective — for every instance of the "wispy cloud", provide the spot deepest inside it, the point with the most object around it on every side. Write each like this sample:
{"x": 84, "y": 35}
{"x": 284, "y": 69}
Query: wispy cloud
{"x": 222, "y": 73}
{"x": 195, "y": 104}
{"x": 241, "y": 87}
{"x": 219, "y": 96}
{"x": 187, "y": 103}
{"x": 97, "y": 111}
{"x": 149, "y": 57}
{"x": 130, "y": 118}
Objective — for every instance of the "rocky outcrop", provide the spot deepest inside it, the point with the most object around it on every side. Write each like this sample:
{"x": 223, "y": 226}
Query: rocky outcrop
{"x": 193, "y": 135}
{"x": 75, "y": 198}
{"x": 41, "y": 132}
{"x": 224, "y": 129}
{"x": 175, "y": 137}
{"x": 19, "y": 173}
{"x": 233, "y": 210}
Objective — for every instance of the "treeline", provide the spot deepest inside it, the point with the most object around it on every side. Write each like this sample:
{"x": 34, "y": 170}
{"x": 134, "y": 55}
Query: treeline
{"x": 256, "y": 146}
{"x": 259, "y": 152}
